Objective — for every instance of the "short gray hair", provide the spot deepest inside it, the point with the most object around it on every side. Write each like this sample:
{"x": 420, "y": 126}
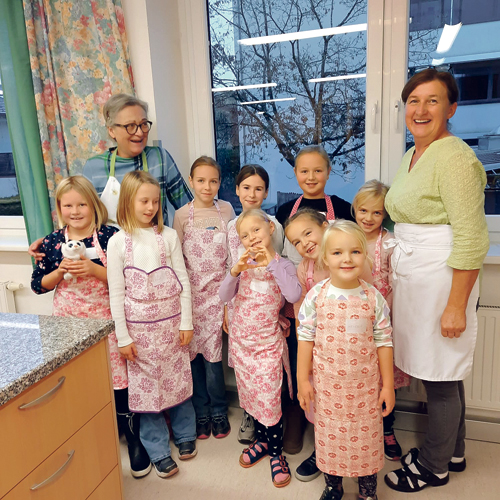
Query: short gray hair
{"x": 118, "y": 102}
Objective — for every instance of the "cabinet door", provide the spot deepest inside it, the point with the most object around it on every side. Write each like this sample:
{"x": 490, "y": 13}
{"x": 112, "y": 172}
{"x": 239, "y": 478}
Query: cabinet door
{"x": 77, "y": 467}
{"x": 32, "y": 434}
{"x": 110, "y": 488}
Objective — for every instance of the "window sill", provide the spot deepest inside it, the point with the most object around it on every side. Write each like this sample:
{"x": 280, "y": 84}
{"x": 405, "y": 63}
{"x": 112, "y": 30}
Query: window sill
{"x": 493, "y": 256}
{"x": 14, "y": 243}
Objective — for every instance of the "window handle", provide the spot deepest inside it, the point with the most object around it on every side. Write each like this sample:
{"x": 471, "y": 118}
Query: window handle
{"x": 374, "y": 116}
{"x": 397, "y": 107}
{"x": 56, "y": 473}
{"x": 41, "y": 399}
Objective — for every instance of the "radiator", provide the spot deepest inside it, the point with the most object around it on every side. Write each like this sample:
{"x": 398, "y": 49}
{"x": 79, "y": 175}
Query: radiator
{"x": 7, "y": 301}
{"x": 482, "y": 386}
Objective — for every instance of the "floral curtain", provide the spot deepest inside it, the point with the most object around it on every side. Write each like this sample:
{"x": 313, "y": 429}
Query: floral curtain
{"x": 79, "y": 58}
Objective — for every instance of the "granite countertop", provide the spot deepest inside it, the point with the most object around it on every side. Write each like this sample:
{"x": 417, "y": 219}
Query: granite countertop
{"x": 32, "y": 347}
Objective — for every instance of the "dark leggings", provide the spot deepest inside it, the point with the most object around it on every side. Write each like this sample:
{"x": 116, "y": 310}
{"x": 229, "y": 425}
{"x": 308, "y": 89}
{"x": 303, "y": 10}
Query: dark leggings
{"x": 121, "y": 400}
{"x": 272, "y": 435}
{"x": 367, "y": 484}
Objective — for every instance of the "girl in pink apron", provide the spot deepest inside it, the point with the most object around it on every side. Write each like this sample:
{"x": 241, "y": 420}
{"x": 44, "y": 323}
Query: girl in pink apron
{"x": 151, "y": 305}
{"x": 345, "y": 338}
{"x": 312, "y": 170}
{"x": 202, "y": 229}
{"x": 252, "y": 186}
{"x": 82, "y": 217}
{"x": 368, "y": 208}
{"x": 260, "y": 280}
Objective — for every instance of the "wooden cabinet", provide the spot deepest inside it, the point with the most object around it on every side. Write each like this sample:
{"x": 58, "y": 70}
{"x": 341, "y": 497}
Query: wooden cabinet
{"x": 63, "y": 428}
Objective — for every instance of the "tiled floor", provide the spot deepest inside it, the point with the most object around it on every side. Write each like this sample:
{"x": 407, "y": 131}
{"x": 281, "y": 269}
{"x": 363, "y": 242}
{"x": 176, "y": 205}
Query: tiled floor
{"x": 214, "y": 474}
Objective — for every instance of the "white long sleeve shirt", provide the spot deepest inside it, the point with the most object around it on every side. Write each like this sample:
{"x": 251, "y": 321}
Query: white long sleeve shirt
{"x": 146, "y": 257}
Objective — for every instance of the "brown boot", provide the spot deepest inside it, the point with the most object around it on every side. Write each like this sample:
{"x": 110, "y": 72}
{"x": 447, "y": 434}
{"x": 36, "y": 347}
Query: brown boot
{"x": 295, "y": 424}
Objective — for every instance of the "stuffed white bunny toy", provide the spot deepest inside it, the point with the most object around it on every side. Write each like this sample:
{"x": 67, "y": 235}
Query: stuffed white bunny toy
{"x": 72, "y": 250}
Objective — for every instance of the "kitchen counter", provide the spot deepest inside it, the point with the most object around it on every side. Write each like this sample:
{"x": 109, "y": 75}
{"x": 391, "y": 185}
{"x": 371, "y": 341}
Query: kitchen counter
{"x": 32, "y": 347}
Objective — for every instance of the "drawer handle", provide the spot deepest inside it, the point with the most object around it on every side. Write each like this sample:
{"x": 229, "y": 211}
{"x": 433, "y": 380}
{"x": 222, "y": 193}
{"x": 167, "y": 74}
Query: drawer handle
{"x": 56, "y": 473}
{"x": 39, "y": 400}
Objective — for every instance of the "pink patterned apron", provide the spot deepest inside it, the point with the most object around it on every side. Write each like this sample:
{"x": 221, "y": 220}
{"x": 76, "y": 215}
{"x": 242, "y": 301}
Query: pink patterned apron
{"x": 205, "y": 253}
{"x": 258, "y": 347}
{"x": 330, "y": 216}
{"x": 160, "y": 378}
{"x": 348, "y": 422}
{"x": 381, "y": 283}
{"x": 89, "y": 298}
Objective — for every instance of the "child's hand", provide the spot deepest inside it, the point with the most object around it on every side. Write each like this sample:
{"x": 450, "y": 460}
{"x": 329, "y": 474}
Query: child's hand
{"x": 245, "y": 262}
{"x": 84, "y": 268}
{"x": 64, "y": 266}
{"x": 129, "y": 352}
{"x": 262, "y": 255}
{"x": 388, "y": 397}
{"x": 225, "y": 322}
{"x": 186, "y": 336}
{"x": 305, "y": 394}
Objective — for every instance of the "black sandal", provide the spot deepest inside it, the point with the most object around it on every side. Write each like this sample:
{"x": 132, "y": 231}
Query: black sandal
{"x": 407, "y": 481}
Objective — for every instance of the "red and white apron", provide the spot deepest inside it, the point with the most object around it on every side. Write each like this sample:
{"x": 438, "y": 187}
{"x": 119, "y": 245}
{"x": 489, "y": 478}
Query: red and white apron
{"x": 89, "y": 298}
{"x": 160, "y": 377}
{"x": 348, "y": 421}
{"x": 381, "y": 283}
{"x": 422, "y": 283}
{"x": 205, "y": 253}
{"x": 258, "y": 347}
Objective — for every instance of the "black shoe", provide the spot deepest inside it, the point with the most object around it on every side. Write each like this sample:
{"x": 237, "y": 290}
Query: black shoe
{"x": 392, "y": 450}
{"x": 220, "y": 426}
{"x": 308, "y": 470}
{"x": 187, "y": 450}
{"x": 166, "y": 467}
{"x": 330, "y": 493}
{"x": 457, "y": 466}
{"x": 140, "y": 464}
{"x": 203, "y": 427}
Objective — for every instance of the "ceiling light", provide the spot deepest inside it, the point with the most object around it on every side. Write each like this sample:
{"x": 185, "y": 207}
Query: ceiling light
{"x": 342, "y": 77}
{"x": 243, "y": 87}
{"x": 301, "y": 35}
{"x": 448, "y": 36}
{"x": 269, "y": 100}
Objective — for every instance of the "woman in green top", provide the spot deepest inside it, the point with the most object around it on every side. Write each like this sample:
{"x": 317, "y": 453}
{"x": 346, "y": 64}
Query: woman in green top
{"x": 441, "y": 239}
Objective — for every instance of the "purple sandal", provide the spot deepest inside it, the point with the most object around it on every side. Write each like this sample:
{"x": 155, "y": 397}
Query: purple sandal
{"x": 254, "y": 453}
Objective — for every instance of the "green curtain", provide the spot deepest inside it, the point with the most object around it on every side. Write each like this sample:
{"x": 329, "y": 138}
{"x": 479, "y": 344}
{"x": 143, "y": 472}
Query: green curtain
{"x": 22, "y": 120}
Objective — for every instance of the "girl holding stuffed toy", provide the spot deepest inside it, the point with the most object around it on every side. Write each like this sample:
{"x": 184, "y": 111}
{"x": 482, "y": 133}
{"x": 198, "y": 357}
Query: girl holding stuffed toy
{"x": 84, "y": 294}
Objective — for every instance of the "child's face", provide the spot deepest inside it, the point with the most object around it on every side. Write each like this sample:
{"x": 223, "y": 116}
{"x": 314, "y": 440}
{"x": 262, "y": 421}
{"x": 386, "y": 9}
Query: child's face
{"x": 312, "y": 174}
{"x": 146, "y": 204}
{"x": 255, "y": 231}
{"x": 75, "y": 210}
{"x": 252, "y": 192}
{"x": 205, "y": 183}
{"x": 345, "y": 259}
{"x": 305, "y": 235}
{"x": 370, "y": 216}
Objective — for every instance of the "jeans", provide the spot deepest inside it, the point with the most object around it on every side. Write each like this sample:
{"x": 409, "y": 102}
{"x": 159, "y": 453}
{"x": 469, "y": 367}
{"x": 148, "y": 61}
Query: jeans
{"x": 209, "y": 388}
{"x": 154, "y": 430}
{"x": 446, "y": 433}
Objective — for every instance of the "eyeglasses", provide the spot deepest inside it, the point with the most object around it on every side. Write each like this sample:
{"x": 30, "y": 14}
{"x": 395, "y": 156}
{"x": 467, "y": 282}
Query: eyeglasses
{"x": 131, "y": 128}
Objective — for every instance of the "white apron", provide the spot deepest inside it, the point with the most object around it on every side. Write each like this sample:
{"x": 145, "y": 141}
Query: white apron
{"x": 421, "y": 286}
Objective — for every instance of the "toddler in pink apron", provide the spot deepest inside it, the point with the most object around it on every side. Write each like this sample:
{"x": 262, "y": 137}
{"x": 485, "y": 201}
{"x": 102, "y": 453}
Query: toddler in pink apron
{"x": 202, "y": 229}
{"x": 151, "y": 304}
{"x": 260, "y": 281}
{"x": 368, "y": 208}
{"x": 82, "y": 216}
{"x": 252, "y": 186}
{"x": 345, "y": 336}
{"x": 312, "y": 170}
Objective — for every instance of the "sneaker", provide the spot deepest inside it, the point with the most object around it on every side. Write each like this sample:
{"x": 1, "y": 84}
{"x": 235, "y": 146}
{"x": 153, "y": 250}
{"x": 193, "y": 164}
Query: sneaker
{"x": 203, "y": 427}
{"x": 392, "y": 450}
{"x": 308, "y": 470}
{"x": 220, "y": 426}
{"x": 330, "y": 493}
{"x": 166, "y": 467}
{"x": 187, "y": 450}
{"x": 246, "y": 434}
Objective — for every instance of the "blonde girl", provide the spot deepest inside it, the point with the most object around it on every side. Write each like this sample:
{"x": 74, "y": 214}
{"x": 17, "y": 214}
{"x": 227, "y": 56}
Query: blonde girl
{"x": 202, "y": 229}
{"x": 345, "y": 338}
{"x": 151, "y": 305}
{"x": 260, "y": 281}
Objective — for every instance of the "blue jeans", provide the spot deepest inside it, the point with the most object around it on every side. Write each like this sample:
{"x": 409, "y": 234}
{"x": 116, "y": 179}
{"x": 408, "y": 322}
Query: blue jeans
{"x": 154, "y": 430}
{"x": 209, "y": 388}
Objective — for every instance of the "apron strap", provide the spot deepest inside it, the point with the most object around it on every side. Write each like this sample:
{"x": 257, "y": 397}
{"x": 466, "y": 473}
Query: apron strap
{"x": 378, "y": 251}
{"x": 330, "y": 213}
{"x": 129, "y": 256}
{"x": 113, "y": 161}
{"x": 296, "y": 206}
{"x": 224, "y": 228}
{"x": 161, "y": 247}
{"x": 310, "y": 274}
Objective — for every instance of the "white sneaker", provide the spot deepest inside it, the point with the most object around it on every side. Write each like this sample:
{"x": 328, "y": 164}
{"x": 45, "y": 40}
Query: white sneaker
{"x": 246, "y": 434}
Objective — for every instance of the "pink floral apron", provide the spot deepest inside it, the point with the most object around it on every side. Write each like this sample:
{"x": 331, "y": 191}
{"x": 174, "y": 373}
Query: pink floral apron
{"x": 381, "y": 283}
{"x": 258, "y": 347}
{"x": 160, "y": 378}
{"x": 348, "y": 422}
{"x": 205, "y": 253}
{"x": 89, "y": 298}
